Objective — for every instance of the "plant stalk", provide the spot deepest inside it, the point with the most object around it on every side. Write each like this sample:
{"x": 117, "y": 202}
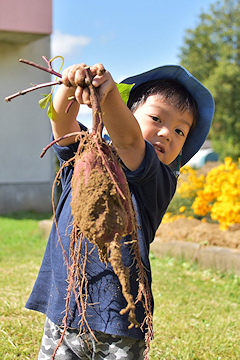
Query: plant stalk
{"x": 39, "y": 86}
{"x": 96, "y": 108}
{"x": 49, "y": 69}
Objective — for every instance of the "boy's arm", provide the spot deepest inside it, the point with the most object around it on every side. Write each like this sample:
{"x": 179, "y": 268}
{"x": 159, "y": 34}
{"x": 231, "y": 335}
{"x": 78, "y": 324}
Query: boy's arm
{"x": 123, "y": 129}
{"x": 121, "y": 124}
{"x": 64, "y": 123}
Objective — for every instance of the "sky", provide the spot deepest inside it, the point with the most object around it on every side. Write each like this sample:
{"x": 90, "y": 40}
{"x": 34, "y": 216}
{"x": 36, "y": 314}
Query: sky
{"x": 128, "y": 37}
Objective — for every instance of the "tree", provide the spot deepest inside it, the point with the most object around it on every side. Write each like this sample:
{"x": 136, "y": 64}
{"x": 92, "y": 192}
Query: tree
{"x": 211, "y": 52}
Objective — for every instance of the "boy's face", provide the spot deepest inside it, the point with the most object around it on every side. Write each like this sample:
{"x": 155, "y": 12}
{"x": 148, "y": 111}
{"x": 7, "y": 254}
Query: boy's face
{"x": 164, "y": 126}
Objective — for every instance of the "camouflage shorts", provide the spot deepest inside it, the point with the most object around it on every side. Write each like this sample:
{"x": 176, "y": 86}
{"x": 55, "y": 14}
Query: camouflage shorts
{"x": 85, "y": 347}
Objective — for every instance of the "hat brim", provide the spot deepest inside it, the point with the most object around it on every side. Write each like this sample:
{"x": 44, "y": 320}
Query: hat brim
{"x": 201, "y": 95}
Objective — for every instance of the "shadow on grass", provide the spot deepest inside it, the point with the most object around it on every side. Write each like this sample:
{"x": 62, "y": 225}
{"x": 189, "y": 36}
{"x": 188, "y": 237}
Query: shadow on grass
{"x": 33, "y": 215}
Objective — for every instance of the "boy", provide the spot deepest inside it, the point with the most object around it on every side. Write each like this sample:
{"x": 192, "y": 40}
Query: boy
{"x": 167, "y": 119}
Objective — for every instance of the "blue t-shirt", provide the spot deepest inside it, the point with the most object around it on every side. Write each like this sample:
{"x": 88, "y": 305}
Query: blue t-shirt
{"x": 152, "y": 186}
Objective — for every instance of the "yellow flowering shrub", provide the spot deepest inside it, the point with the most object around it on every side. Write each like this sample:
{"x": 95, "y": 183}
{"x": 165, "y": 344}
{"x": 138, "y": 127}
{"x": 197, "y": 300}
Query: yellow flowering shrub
{"x": 188, "y": 188}
{"x": 168, "y": 218}
{"x": 188, "y": 185}
{"x": 215, "y": 196}
{"x": 220, "y": 196}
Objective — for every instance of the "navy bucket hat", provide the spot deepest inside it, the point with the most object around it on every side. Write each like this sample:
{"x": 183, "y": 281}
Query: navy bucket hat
{"x": 201, "y": 95}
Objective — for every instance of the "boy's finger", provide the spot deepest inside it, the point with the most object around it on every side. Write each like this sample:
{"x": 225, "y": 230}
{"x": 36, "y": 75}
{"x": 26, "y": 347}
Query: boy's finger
{"x": 74, "y": 75}
{"x": 86, "y": 96}
{"x": 80, "y": 75}
{"x": 78, "y": 94}
{"x": 97, "y": 69}
{"x": 82, "y": 95}
{"x": 80, "y": 78}
{"x": 65, "y": 78}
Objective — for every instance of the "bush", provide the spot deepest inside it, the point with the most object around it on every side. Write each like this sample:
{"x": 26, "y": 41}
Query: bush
{"x": 212, "y": 197}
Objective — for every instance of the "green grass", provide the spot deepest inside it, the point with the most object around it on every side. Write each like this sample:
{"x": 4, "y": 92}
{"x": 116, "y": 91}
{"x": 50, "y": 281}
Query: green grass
{"x": 197, "y": 312}
{"x": 21, "y": 250}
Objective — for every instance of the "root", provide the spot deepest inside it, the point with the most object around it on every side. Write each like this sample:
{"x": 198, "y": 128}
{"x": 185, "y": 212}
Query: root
{"x": 77, "y": 134}
{"x": 144, "y": 296}
{"x": 122, "y": 273}
{"x": 75, "y": 273}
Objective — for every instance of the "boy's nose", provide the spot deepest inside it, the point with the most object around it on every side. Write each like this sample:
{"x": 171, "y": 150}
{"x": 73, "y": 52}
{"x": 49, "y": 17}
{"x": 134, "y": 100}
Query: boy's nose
{"x": 165, "y": 132}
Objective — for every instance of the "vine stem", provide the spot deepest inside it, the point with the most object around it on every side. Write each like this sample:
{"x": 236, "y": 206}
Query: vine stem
{"x": 39, "y": 86}
{"x": 96, "y": 108}
{"x": 48, "y": 69}
{"x": 44, "y": 150}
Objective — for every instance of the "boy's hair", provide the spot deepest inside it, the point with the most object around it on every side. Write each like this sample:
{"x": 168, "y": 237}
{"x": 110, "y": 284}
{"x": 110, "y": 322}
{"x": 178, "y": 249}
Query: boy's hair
{"x": 170, "y": 90}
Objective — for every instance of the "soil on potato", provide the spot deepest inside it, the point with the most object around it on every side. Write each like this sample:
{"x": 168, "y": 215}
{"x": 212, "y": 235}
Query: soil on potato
{"x": 195, "y": 231}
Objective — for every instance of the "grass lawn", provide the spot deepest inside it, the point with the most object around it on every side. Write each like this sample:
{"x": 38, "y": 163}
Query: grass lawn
{"x": 197, "y": 312}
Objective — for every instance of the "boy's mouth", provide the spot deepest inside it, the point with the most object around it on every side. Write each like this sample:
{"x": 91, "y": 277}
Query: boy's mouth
{"x": 159, "y": 148}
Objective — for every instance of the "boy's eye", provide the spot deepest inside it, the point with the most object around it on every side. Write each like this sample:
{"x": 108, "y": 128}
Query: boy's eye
{"x": 180, "y": 132}
{"x": 155, "y": 118}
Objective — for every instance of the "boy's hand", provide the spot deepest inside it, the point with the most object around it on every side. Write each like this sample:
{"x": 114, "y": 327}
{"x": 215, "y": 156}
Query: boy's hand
{"x": 74, "y": 76}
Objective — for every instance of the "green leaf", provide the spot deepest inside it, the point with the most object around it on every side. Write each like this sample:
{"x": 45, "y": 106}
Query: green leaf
{"x": 50, "y": 111}
{"x": 47, "y": 99}
{"x": 124, "y": 90}
{"x": 44, "y": 101}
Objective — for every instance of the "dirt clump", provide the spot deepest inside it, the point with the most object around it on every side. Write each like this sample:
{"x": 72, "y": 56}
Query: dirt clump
{"x": 98, "y": 208}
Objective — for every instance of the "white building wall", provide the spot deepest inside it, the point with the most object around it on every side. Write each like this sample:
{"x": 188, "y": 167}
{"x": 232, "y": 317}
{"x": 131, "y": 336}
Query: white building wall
{"x": 25, "y": 179}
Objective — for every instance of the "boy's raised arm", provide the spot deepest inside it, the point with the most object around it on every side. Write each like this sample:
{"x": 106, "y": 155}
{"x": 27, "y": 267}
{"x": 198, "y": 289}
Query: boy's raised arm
{"x": 64, "y": 123}
{"x": 123, "y": 129}
{"x": 121, "y": 124}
